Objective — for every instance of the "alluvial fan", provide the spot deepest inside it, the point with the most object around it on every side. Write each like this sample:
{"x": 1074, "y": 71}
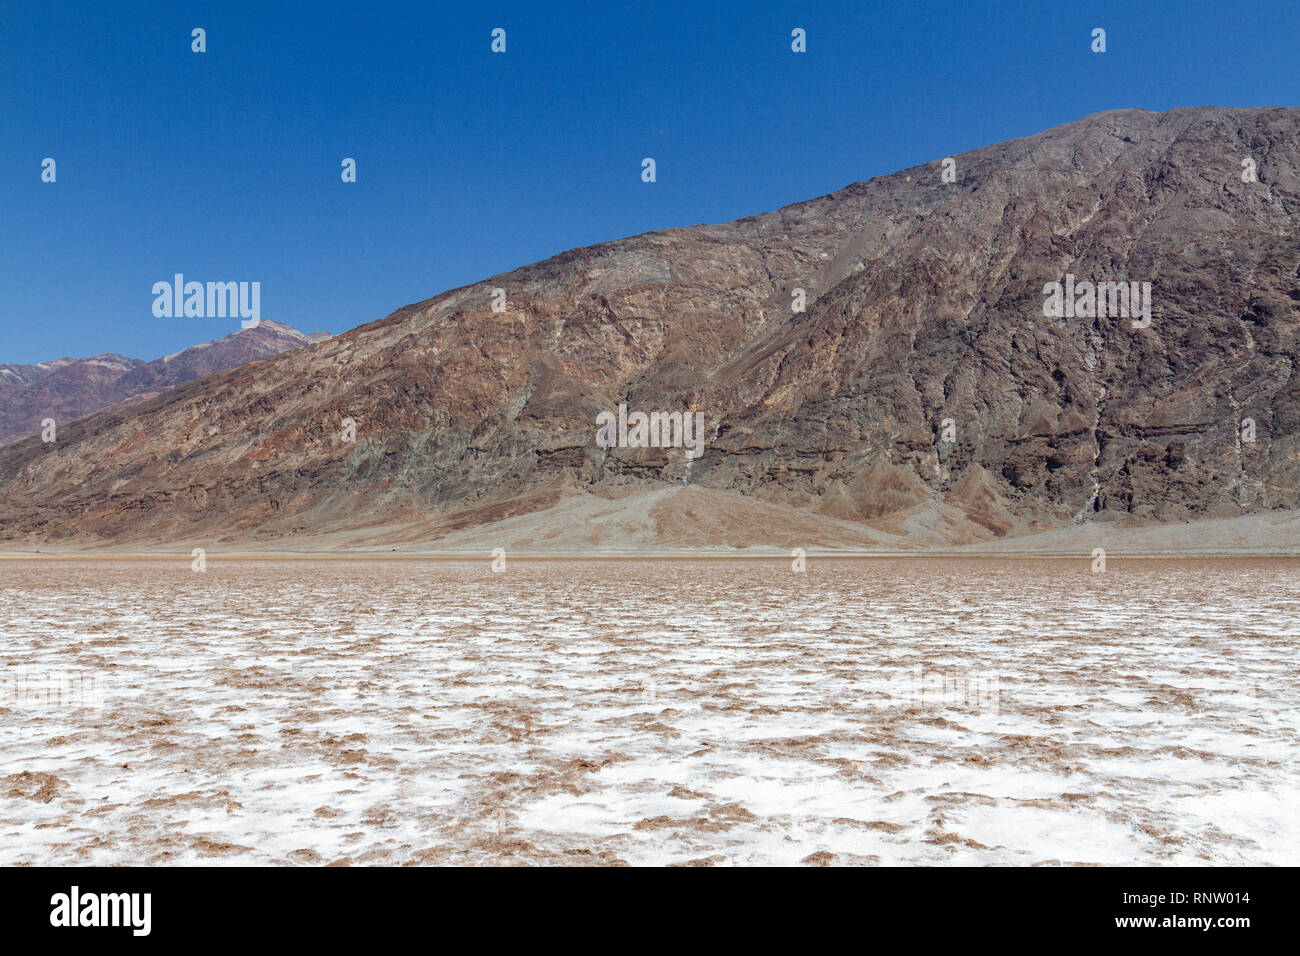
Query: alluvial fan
{"x": 921, "y": 710}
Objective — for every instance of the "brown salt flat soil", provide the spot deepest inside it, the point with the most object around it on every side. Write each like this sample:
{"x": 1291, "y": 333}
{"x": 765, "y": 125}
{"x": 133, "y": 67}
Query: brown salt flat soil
{"x": 934, "y": 710}
{"x": 685, "y": 521}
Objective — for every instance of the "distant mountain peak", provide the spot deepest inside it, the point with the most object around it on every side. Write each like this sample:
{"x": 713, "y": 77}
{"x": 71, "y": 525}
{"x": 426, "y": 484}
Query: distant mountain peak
{"x": 67, "y": 389}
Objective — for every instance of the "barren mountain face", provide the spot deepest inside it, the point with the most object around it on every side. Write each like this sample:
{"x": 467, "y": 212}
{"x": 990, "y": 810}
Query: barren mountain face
{"x": 923, "y": 396}
{"x": 68, "y": 388}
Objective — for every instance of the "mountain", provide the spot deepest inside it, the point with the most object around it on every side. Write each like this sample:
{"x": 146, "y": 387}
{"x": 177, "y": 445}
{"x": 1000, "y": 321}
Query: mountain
{"x": 68, "y": 389}
{"x": 922, "y": 398}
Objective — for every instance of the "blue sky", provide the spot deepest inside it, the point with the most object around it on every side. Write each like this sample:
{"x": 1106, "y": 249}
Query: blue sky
{"x": 225, "y": 165}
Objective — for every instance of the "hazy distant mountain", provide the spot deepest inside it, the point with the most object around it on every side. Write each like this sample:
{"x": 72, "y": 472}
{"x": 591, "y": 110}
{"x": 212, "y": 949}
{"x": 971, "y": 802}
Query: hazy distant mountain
{"x": 923, "y": 396}
{"x": 67, "y": 389}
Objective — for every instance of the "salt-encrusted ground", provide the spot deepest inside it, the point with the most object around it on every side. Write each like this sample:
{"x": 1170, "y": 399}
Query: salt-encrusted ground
{"x": 919, "y": 710}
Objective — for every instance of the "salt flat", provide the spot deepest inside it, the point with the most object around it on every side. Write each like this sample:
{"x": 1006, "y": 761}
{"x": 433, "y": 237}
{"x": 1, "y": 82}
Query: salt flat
{"x": 928, "y": 710}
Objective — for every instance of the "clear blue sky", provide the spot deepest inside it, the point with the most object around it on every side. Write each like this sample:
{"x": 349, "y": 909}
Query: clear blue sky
{"x": 225, "y": 165}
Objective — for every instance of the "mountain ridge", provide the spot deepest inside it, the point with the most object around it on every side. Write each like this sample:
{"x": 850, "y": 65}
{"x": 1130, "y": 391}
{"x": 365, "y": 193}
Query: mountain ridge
{"x": 924, "y": 306}
{"x": 67, "y": 388}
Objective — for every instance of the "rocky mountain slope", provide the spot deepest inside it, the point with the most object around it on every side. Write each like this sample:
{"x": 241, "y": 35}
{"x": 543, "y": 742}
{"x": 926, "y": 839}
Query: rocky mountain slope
{"x": 68, "y": 388}
{"x": 922, "y": 398}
